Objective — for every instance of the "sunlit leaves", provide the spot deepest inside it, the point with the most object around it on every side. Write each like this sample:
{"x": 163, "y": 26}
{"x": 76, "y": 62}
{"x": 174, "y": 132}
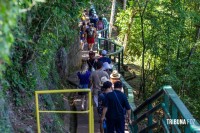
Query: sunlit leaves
{"x": 171, "y": 30}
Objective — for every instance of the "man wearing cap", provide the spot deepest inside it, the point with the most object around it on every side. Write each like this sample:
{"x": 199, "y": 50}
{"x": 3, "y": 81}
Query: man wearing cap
{"x": 107, "y": 67}
{"x": 104, "y": 58}
{"x": 113, "y": 110}
{"x": 95, "y": 81}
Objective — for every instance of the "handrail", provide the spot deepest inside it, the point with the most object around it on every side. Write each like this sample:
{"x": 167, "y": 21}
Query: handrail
{"x": 148, "y": 101}
{"x": 90, "y": 109}
{"x": 118, "y": 53}
{"x": 173, "y": 109}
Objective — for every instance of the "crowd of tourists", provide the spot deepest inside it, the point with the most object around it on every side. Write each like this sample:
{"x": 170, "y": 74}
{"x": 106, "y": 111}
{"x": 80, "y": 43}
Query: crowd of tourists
{"x": 90, "y": 24}
{"x": 98, "y": 75}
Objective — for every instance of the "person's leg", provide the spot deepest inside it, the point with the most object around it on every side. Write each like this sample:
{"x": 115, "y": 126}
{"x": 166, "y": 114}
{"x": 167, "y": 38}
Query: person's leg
{"x": 96, "y": 100}
{"x": 82, "y": 102}
{"x": 88, "y": 42}
{"x": 82, "y": 45}
{"x": 101, "y": 128}
{"x": 92, "y": 43}
{"x": 120, "y": 125}
{"x": 91, "y": 47}
{"x": 110, "y": 126}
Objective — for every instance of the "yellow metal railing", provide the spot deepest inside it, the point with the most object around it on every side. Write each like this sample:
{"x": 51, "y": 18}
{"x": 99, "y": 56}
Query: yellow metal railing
{"x": 90, "y": 108}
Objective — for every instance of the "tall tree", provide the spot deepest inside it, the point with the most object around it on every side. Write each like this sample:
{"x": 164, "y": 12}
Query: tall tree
{"x": 112, "y": 17}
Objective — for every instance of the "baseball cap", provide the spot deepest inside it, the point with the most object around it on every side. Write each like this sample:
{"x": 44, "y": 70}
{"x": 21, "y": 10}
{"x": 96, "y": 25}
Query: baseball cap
{"x": 103, "y": 52}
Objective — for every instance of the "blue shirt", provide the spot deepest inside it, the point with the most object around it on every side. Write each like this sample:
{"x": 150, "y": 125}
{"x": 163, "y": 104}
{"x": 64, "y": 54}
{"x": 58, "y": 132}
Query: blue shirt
{"x": 104, "y": 59}
{"x": 84, "y": 78}
{"x": 114, "y": 109}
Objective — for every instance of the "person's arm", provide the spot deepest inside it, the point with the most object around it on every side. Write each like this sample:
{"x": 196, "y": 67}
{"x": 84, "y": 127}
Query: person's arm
{"x": 104, "y": 114}
{"x": 129, "y": 116}
{"x": 85, "y": 34}
{"x": 90, "y": 83}
{"x": 128, "y": 109}
{"x": 95, "y": 32}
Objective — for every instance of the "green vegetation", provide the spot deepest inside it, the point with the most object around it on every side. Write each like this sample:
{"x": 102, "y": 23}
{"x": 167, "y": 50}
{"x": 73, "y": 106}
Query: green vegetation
{"x": 164, "y": 36}
{"x": 37, "y": 31}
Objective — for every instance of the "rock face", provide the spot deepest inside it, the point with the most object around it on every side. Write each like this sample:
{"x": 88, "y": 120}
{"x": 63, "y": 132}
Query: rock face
{"x": 5, "y": 124}
{"x": 23, "y": 119}
{"x": 74, "y": 55}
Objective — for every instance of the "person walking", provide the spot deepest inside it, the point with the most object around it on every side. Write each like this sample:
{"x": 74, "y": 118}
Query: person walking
{"x": 95, "y": 81}
{"x": 90, "y": 35}
{"x": 83, "y": 76}
{"x": 107, "y": 68}
{"x": 114, "y": 77}
{"x": 103, "y": 58}
{"x": 106, "y": 88}
{"x": 82, "y": 38}
{"x": 92, "y": 62}
{"x": 100, "y": 24}
{"x": 114, "y": 110}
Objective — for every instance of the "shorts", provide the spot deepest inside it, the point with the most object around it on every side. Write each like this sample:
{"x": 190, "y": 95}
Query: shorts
{"x": 90, "y": 40}
{"x": 84, "y": 86}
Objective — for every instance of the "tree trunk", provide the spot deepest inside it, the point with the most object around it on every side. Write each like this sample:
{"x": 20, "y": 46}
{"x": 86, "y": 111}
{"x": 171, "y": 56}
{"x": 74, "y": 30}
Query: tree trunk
{"x": 124, "y": 4}
{"x": 126, "y": 36}
{"x": 112, "y": 16}
{"x": 143, "y": 78}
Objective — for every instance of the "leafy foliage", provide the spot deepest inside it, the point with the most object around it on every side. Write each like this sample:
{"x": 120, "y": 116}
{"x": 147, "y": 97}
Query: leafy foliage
{"x": 170, "y": 47}
{"x": 8, "y": 14}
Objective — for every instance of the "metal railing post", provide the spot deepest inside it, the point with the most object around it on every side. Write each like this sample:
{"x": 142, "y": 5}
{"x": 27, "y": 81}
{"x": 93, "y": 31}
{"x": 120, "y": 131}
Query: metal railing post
{"x": 37, "y": 112}
{"x": 106, "y": 34}
{"x": 90, "y": 113}
{"x": 150, "y": 118}
{"x": 135, "y": 126}
{"x": 119, "y": 62}
{"x": 115, "y": 51}
{"x": 174, "y": 115}
{"x": 166, "y": 101}
{"x": 99, "y": 43}
{"x": 122, "y": 57}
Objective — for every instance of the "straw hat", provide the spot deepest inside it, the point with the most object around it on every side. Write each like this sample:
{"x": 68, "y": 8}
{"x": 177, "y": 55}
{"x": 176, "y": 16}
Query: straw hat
{"x": 115, "y": 74}
{"x": 103, "y": 79}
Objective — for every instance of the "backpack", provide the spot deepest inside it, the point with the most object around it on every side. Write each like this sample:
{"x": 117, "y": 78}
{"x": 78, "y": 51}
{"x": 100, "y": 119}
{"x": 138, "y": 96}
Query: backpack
{"x": 90, "y": 32}
{"x": 100, "y": 25}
